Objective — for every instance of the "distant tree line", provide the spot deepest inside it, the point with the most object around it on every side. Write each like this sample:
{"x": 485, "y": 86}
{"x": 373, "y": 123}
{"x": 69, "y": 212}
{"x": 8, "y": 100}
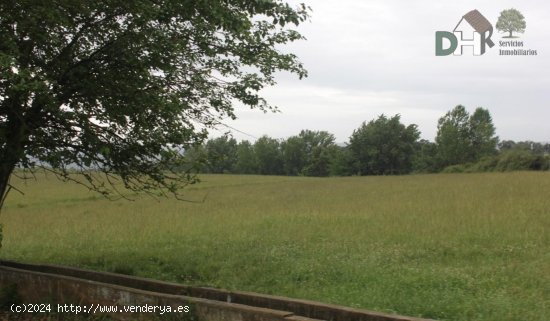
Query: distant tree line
{"x": 383, "y": 146}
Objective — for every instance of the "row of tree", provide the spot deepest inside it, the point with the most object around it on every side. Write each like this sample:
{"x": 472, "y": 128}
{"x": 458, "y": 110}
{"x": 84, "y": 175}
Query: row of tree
{"x": 383, "y": 146}
{"x": 310, "y": 153}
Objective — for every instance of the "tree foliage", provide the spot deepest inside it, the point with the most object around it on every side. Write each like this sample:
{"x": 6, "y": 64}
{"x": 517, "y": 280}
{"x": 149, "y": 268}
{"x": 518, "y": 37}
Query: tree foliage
{"x": 221, "y": 153}
{"x": 309, "y": 153}
{"x": 320, "y": 150}
{"x": 462, "y": 138}
{"x": 246, "y": 159}
{"x": 425, "y": 157}
{"x": 452, "y": 138}
{"x": 122, "y": 87}
{"x": 294, "y": 155}
{"x": 534, "y": 147}
{"x": 342, "y": 162}
{"x": 521, "y": 159}
{"x": 384, "y": 146}
{"x": 511, "y": 20}
{"x": 482, "y": 134}
{"x": 465, "y": 143}
{"x": 269, "y": 156}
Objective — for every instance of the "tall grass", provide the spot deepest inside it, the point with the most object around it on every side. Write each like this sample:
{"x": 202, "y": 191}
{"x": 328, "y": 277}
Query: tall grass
{"x": 449, "y": 247}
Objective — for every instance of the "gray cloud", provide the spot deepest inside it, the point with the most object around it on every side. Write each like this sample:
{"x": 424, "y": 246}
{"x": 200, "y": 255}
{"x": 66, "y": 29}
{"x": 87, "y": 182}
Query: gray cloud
{"x": 368, "y": 58}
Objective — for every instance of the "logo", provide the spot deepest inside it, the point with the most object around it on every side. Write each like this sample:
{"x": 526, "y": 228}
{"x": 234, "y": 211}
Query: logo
{"x": 473, "y": 30}
{"x": 511, "y": 21}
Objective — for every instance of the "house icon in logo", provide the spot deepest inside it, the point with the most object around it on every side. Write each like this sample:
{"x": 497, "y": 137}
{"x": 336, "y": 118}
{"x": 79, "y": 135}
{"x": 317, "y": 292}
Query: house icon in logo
{"x": 473, "y": 30}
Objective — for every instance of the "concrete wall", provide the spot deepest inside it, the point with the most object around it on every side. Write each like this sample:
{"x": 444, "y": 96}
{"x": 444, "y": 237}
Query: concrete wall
{"x": 70, "y": 285}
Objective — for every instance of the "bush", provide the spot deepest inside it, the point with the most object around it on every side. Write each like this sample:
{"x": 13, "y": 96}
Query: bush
{"x": 516, "y": 160}
{"x": 460, "y": 168}
{"x": 485, "y": 164}
{"x": 506, "y": 161}
{"x": 541, "y": 163}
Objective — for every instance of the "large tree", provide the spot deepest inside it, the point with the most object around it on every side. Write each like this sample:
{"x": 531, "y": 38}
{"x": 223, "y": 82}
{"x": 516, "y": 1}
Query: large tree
{"x": 221, "y": 154}
{"x": 342, "y": 162}
{"x": 482, "y": 134}
{"x": 309, "y": 153}
{"x": 246, "y": 159}
{"x": 320, "y": 149}
{"x": 463, "y": 138}
{"x": 384, "y": 146}
{"x": 268, "y": 156}
{"x": 294, "y": 155}
{"x": 453, "y": 137}
{"x": 122, "y": 87}
{"x": 425, "y": 157}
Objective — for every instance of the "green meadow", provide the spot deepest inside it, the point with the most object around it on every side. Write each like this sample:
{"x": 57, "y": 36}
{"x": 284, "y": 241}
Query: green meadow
{"x": 445, "y": 246}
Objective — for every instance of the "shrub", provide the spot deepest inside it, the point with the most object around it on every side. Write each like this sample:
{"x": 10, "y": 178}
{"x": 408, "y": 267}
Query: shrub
{"x": 485, "y": 164}
{"x": 460, "y": 168}
{"x": 540, "y": 163}
{"x": 516, "y": 160}
{"x": 506, "y": 161}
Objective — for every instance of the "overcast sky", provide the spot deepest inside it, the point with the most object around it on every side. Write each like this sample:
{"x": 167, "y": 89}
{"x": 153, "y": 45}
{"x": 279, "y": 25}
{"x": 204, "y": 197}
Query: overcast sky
{"x": 366, "y": 58}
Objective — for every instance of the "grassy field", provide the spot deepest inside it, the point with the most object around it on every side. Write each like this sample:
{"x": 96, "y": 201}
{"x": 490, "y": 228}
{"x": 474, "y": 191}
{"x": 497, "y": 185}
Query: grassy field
{"x": 449, "y": 247}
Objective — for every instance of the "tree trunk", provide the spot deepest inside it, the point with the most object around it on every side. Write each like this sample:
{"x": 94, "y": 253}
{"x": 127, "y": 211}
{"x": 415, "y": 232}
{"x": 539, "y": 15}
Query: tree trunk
{"x": 13, "y": 149}
{"x": 510, "y": 33}
{"x": 5, "y": 173}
